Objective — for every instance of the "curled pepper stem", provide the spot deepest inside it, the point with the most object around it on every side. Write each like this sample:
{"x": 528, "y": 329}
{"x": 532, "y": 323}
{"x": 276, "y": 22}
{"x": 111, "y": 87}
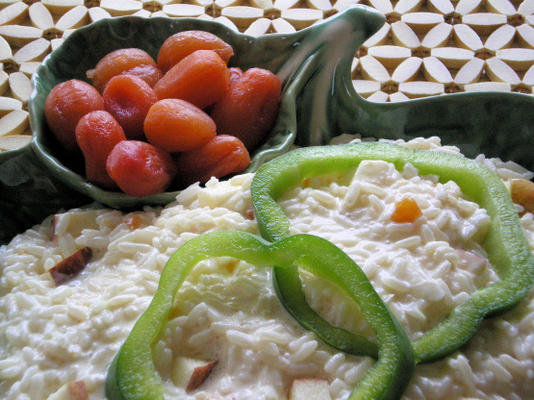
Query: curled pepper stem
{"x": 132, "y": 374}
{"x": 505, "y": 243}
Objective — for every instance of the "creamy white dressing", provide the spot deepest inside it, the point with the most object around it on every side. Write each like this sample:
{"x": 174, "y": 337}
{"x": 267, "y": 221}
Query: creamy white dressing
{"x": 228, "y": 311}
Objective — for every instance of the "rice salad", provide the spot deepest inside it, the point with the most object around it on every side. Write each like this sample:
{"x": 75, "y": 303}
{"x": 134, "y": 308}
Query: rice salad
{"x": 227, "y": 310}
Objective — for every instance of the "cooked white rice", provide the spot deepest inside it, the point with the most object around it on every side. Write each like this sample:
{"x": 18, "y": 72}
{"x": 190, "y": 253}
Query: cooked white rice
{"x": 227, "y": 310}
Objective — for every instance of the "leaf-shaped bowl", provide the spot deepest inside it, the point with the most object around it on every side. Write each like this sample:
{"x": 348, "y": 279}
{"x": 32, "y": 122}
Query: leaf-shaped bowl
{"x": 85, "y": 47}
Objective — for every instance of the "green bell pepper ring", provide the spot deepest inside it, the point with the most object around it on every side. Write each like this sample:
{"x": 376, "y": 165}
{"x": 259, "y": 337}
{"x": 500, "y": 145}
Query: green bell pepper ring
{"x": 289, "y": 290}
{"x": 132, "y": 374}
{"x": 505, "y": 242}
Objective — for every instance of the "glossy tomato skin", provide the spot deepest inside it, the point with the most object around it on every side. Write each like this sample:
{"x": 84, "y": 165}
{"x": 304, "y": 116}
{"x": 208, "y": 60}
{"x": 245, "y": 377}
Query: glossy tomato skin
{"x": 176, "y": 125}
{"x": 151, "y": 74}
{"x": 201, "y": 78}
{"x": 128, "y": 98}
{"x": 249, "y": 108}
{"x": 66, "y": 103}
{"x": 97, "y": 133}
{"x": 139, "y": 168}
{"x": 235, "y": 74}
{"x": 223, "y": 155}
{"x": 181, "y": 44}
{"x": 117, "y": 62}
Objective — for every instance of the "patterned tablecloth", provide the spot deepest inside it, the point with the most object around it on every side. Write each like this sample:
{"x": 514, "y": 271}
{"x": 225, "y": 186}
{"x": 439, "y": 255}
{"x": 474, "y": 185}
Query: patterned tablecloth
{"x": 426, "y": 48}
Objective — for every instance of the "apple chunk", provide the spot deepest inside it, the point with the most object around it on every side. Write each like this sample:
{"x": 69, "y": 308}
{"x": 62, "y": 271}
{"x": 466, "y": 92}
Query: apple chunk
{"x": 71, "y": 391}
{"x": 309, "y": 389}
{"x": 190, "y": 373}
{"x": 71, "y": 266}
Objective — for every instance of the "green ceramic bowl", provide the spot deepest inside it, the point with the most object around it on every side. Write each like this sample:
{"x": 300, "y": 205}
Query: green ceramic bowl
{"x": 85, "y": 47}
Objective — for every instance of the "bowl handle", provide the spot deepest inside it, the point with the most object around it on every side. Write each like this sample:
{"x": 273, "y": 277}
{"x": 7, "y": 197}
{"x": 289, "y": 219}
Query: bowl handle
{"x": 496, "y": 124}
{"x": 315, "y": 64}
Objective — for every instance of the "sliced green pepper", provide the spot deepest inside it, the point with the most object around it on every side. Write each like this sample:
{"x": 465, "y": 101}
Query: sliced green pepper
{"x": 505, "y": 242}
{"x": 132, "y": 374}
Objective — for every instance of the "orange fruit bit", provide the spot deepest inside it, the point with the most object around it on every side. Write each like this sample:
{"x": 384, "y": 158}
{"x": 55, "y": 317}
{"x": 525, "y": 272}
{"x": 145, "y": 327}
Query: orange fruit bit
{"x": 250, "y": 106}
{"x": 115, "y": 63}
{"x": 235, "y": 74}
{"x": 201, "y": 78}
{"x": 97, "y": 133}
{"x": 221, "y": 156}
{"x": 66, "y": 103}
{"x": 406, "y": 210}
{"x": 147, "y": 72}
{"x": 181, "y": 44}
{"x": 128, "y": 98}
{"x": 522, "y": 192}
{"x": 134, "y": 221}
{"x": 176, "y": 125}
{"x": 139, "y": 168}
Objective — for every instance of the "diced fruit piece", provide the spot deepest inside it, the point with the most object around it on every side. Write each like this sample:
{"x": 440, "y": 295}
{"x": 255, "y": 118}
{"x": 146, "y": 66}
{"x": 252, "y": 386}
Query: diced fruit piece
{"x": 139, "y": 168}
{"x": 472, "y": 261}
{"x": 71, "y": 266}
{"x": 221, "y": 156}
{"x": 147, "y": 72}
{"x": 181, "y": 44}
{"x": 190, "y": 373}
{"x": 135, "y": 220}
{"x": 201, "y": 78}
{"x": 249, "y": 108}
{"x": 406, "y": 210}
{"x": 71, "y": 391}
{"x": 176, "y": 125}
{"x": 97, "y": 133}
{"x": 66, "y": 103}
{"x": 128, "y": 98}
{"x": 74, "y": 223}
{"x": 115, "y": 63}
{"x": 522, "y": 192}
{"x": 309, "y": 389}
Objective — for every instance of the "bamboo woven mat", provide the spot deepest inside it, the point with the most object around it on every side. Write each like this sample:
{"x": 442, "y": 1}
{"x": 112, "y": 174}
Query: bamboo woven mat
{"x": 426, "y": 48}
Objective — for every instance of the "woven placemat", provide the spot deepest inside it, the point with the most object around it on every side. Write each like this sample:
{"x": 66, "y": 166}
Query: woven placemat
{"x": 426, "y": 48}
